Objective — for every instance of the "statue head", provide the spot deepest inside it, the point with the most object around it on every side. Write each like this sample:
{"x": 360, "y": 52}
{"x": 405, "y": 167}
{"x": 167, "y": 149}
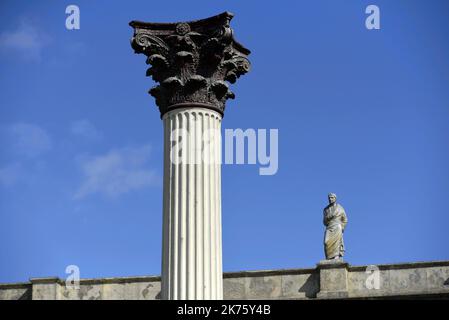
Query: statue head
{"x": 332, "y": 198}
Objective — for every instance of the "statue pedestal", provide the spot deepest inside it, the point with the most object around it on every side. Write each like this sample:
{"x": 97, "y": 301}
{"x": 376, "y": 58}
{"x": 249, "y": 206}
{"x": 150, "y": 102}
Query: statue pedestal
{"x": 333, "y": 279}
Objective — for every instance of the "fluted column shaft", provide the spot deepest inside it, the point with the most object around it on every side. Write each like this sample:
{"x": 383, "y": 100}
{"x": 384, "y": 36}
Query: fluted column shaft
{"x": 192, "y": 249}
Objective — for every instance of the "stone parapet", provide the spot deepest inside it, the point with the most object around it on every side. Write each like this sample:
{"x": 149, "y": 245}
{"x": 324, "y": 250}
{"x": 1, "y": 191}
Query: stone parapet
{"x": 338, "y": 280}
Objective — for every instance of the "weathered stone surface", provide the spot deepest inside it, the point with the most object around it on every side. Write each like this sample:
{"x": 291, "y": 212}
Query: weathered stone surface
{"x": 93, "y": 292}
{"x": 358, "y": 282}
{"x": 45, "y": 288}
{"x": 333, "y": 279}
{"x": 437, "y": 277}
{"x": 263, "y": 287}
{"x": 149, "y": 290}
{"x": 407, "y": 280}
{"x": 136, "y": 288}
{"x": 15, "y": 291}
{"x": 300, "y": 285}
{"x": 234, "y": 288}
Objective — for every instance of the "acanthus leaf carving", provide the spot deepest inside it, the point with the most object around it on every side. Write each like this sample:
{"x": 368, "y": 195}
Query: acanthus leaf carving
{"x": 192, "y": 61}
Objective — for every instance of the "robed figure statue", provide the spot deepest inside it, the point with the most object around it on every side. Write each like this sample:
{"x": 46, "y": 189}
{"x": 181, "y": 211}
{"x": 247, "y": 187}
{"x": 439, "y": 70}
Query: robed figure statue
{"x": 334, "y": 218}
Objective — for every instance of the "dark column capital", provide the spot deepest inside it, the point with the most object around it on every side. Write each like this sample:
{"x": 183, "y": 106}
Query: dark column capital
{"x": 192, "y": 61}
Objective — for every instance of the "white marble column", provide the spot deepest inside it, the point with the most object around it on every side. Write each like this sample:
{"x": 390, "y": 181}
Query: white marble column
{"x": 191, "y": 250}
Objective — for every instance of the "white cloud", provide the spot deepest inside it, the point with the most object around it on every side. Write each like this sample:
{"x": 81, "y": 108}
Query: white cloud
{"x": 10, "y": 174}
{"x": 85, "y": 129}
{"x": 117, "y": 172}
{"x": 28, "y": 139}
{"x": 27, "y": 40}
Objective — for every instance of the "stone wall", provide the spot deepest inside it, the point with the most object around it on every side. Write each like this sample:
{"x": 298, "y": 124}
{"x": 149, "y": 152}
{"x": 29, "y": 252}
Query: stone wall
{"x": 336, "y": 280}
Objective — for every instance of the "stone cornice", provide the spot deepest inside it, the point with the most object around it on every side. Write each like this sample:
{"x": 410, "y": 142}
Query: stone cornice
{"x": 192, "y": 61}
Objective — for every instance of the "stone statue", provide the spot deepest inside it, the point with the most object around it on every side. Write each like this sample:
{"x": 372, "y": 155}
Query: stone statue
{"x": 334, "y": 218}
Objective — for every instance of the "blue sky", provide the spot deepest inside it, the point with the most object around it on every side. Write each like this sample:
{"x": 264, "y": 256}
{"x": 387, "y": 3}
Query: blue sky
{"x": 360, "y": 113}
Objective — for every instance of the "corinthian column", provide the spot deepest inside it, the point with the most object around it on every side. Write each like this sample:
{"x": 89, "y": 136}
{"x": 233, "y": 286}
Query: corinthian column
{"x": 193, "y": 63}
